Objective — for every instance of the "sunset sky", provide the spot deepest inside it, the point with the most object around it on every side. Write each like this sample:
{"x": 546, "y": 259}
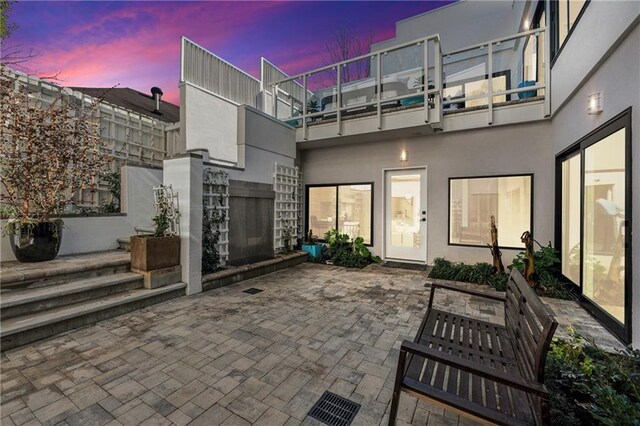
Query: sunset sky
{"x": 137, "y": 44}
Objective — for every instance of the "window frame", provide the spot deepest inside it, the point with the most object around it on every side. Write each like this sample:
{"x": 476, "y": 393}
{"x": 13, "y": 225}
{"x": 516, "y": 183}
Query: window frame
{"x": 618, "y": 122}
{"x": 531, "y": 201}
{"x": 337, "y": 186}
{"x": 554, "y": 26}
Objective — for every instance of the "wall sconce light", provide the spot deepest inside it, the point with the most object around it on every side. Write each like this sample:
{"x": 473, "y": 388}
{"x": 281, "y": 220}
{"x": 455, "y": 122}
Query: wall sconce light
{"x": 526, "y": 25}
{"x": 595, "y": 103}
{"x": 404, "y": 155}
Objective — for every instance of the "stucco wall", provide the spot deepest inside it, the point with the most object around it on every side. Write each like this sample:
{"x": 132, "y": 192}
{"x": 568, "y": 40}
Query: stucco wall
{"x": 501, "y": 150}
{"x": 208, "y": 122}
{"x": 491, "y": 19}
{"x": 602, "y": 25}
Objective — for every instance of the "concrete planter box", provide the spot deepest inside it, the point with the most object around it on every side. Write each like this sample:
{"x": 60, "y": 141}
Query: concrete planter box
{"x": 152, "y": 253}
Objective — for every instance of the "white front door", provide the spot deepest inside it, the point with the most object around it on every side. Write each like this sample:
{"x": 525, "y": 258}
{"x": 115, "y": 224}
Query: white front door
{"x": 406, "y": 215}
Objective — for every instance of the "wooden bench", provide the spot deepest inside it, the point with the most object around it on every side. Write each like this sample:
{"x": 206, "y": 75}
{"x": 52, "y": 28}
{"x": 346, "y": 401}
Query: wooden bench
{"x": 485, "y": 371}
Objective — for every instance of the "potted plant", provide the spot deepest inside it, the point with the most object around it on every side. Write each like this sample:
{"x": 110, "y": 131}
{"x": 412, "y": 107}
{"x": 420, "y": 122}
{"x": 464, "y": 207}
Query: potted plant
{"x": 312, "y": 246}
{"x": 48, "y": 153}
{"x": 161, "y": 249}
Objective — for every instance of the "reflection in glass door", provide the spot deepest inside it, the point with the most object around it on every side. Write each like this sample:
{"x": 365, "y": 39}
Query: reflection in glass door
{"x": 603, "y": 224}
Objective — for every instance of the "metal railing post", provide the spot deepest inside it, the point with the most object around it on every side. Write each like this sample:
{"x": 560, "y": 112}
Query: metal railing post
{"x": 437, "y": 101}
{"x": 425, "y": 80}
{"x": 304, "y": 108}
{"x": 379, "y": 89}
{"x": 547, "y": 67}
{"x": 274, "y": 99}
{"x": 490, "y": 83}
{"x": 338, "y": 100}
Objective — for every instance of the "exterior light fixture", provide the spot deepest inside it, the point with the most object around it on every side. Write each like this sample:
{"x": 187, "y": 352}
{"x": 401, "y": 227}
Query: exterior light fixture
{"x": 404, "y": 155}
{"x": 595, "y": 103}
{"x": 526, "y": 24}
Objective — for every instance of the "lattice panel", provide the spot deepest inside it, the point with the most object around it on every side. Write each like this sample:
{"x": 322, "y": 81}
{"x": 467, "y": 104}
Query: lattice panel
{"x": 130, "y": 137}
{"x": 287, "y": 186}
{"x": 215, "y": 201}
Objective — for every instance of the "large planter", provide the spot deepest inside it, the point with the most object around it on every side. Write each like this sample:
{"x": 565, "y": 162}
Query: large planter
{"x": 151, "y": 253}
{"x": 314, "y": 250}
{"x": 35, "y": 242}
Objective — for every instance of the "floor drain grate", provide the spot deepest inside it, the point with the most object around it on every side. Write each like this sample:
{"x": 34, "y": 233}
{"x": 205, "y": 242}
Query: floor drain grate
{"x": 334, "y": 410}
{"x": 252, "y": 290}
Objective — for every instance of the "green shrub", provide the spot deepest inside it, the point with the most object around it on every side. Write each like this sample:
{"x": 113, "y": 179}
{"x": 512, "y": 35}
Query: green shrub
{"x": 342, "y": 252}
{"x": 588, "y": 385}
{"x": 478, "y": 273}
{"x": 546, "y": 262}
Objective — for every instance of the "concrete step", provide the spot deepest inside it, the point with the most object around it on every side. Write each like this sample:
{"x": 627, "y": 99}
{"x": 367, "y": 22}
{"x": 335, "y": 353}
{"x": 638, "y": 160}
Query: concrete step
{"x": 26, "y": 301}
{"x": 63, "y": 269}
{"x": 25, "y": 329}
{"x": 124, "y": 244}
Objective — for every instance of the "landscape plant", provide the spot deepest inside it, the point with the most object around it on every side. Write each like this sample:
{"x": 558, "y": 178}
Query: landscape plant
{"x": 588, "y": 385}
{"x": 341, "y": 251}
{"x": 48, "y": 153}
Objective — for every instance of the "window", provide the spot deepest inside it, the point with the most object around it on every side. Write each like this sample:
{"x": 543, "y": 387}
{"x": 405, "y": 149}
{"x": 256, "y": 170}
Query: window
{"x": 472, "y": 202}
{"x": 566, "y": 14}
{"x": 346, "y": 207}
{"x": 592, "y": 228}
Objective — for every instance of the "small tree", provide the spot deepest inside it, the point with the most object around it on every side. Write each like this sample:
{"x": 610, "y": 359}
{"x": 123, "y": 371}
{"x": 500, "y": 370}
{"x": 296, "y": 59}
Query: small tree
{"x": 48, "y": 153}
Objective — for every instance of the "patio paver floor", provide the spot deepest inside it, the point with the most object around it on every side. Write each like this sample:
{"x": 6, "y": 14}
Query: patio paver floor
{"x": 228, "y": 357}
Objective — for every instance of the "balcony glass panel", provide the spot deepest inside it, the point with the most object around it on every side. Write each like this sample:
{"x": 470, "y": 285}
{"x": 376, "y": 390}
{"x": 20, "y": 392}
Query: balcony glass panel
{"x": 402, "y": 73}
{"x": 357, "y": 82}
{"x": 465, "y": 75}
{"x": 322, "y": 85}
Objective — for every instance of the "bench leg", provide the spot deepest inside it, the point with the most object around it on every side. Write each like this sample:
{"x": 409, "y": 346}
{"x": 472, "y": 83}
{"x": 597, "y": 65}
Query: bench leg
{"x": 395, "y": 398}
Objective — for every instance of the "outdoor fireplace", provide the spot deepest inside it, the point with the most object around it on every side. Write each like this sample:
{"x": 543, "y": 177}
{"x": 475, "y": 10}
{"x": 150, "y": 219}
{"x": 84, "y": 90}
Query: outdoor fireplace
{"x": 250, "y": 222}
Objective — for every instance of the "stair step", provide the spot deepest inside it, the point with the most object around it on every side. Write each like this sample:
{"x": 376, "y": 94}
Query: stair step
{"x": 63, "y": 269}
{"x": 124, "y": 244}
{"x": 25, "y": 329}
{"x": 24, "y": 301}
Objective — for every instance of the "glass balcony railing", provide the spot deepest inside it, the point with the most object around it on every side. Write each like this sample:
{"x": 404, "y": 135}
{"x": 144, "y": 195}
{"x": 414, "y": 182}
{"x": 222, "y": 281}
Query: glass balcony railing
{"x": 516, "y": 65}
{"x": 491, "y": 74}
{"x": 369, "y": 84}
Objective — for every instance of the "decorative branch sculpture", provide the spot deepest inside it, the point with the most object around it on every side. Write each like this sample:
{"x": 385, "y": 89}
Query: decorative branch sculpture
{"x": 529, "y": 267}
{"x": 498, "y": 266}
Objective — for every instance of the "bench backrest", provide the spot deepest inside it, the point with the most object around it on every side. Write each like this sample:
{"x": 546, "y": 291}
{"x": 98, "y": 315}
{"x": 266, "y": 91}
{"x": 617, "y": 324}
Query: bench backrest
{"x": 530, "y": 326}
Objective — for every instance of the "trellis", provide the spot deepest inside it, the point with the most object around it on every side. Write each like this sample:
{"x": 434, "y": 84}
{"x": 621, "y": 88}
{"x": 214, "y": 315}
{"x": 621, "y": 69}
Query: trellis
{"x": 288, "y": 200}
{"x": 166, "y": 201}
{"x": 215, "y": 204}
{"x": 130, "y": 137}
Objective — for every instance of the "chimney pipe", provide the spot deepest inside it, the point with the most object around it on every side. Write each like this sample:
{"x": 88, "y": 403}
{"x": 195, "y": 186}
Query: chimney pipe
{"x": 156, "y": 93}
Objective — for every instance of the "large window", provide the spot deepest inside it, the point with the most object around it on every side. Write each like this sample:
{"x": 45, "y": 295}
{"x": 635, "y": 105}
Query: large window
{"x": 346, "y": 207}
{"x": 593, "y": 229}
{"x": 472, "y": 202}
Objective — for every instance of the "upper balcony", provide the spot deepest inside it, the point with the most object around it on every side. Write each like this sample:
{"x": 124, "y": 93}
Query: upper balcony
{"x": 386, "y": 90}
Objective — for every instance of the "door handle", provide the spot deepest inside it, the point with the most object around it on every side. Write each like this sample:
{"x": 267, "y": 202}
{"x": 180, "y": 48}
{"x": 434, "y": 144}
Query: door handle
{"x": 424, "y": 219}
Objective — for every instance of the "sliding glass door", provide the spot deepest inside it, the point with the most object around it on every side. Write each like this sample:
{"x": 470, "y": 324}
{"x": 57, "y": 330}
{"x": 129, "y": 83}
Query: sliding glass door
{"x": 594, "y": 184}
{"x": 603, "y": 232}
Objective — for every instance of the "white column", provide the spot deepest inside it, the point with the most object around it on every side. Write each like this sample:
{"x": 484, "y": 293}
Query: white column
{"x": 184, "y": 174}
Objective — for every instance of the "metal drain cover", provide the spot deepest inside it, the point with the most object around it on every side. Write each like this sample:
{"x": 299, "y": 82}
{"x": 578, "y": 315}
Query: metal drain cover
{"x": 334, "y": 410}
{"x": 252, "y": 290}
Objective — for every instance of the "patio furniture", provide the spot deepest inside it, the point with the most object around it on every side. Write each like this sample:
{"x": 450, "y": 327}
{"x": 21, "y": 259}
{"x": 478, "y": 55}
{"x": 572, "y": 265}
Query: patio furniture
{"x": 489, "y": 372}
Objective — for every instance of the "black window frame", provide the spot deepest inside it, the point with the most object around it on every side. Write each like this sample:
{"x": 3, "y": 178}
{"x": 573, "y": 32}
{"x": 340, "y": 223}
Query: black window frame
{"x": 620, "y": 121}
{"x": 553, "y": 24}
{"x": 531, "y": 201}
{"x": 337, "y": 186}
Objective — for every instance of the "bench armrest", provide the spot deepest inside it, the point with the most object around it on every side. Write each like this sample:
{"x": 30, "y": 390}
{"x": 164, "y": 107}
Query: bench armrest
{"x": 500, "y": 297}
{"x": 473, "y": 368}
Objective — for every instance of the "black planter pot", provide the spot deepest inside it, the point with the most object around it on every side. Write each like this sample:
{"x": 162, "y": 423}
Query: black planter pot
{"x": 36, "y": 242}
